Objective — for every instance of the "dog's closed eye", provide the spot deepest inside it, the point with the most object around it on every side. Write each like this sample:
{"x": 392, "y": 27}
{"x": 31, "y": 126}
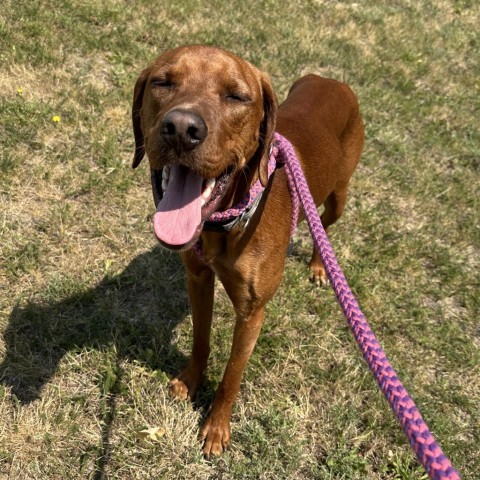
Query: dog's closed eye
{"x": 162, "y": 82}
{"x": 238, "y": 97}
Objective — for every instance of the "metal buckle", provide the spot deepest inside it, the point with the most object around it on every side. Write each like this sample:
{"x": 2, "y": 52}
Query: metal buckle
{"x": 243, "y": 219}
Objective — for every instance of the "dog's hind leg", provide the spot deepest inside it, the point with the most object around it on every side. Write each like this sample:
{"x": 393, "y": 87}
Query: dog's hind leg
{"x": 334, "y": 206}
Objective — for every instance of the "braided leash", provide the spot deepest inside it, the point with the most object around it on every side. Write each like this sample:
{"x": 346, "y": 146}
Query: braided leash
{"x": 428, "y": 451}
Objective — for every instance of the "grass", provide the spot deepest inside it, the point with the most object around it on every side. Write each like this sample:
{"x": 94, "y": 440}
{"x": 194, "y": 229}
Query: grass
{"x": 94, "y": 317}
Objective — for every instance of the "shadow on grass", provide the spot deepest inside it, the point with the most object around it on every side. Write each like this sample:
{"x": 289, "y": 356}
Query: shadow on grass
{"x": 135, "y": 311}
{"x": 133, "y": 314}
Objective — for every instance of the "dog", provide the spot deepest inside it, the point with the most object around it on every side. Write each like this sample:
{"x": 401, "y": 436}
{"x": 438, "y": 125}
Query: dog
{"x": 206, "y": 119}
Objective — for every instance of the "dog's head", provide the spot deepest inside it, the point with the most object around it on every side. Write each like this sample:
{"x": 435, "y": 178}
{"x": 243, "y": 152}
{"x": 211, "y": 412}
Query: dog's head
{"x": 201, "y": 115}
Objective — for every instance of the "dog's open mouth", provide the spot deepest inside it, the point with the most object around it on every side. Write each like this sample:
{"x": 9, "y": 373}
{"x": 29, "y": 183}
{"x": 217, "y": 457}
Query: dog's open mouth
{"x": 186, "y": 201}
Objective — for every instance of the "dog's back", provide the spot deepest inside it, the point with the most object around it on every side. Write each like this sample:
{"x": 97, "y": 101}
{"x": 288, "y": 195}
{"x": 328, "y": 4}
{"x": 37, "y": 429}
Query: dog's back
{"x": 328, "y": 139}
{"x": 321, "y": 118}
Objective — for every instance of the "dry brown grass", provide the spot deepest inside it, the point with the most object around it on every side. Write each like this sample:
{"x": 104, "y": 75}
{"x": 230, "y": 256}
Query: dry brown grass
{"x": 94, "y": 317}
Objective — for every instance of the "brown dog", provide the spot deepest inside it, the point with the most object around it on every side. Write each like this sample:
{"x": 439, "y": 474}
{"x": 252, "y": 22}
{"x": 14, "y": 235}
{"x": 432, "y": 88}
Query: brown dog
{"x": 206, "y": 119}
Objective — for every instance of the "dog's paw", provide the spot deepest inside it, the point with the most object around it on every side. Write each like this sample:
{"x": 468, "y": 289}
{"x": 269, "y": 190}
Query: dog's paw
{"x": 319, "y": 276}
{"x": 319, "y": 280}
{"x": 184, "y": 386}
{"x": 215, "y": 434}
{"x": 178, "y": 389}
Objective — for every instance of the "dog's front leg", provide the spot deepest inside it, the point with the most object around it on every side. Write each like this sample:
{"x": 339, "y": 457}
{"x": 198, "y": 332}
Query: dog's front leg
{"x": 200, "y": 285}
{"x": 216, "y": 429}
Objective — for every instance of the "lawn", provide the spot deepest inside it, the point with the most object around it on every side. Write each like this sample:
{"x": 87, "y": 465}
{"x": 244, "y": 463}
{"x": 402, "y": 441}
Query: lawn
{"x": 94, "y": 316}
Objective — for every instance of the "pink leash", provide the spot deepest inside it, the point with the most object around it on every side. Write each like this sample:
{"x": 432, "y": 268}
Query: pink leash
{"x": 428, "y": 451}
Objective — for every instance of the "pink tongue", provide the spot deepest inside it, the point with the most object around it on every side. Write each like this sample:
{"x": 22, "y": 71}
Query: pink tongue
{"x": 178, "y": 214}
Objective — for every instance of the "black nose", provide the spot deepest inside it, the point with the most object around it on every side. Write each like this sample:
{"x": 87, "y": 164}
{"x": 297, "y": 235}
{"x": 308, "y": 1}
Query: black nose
{"x": 183, "y": 129}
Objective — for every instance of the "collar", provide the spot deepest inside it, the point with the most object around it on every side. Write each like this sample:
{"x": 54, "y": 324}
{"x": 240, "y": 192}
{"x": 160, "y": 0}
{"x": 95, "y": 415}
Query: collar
{"x": 240, "y": 214}
{"x": 241, "y": 220}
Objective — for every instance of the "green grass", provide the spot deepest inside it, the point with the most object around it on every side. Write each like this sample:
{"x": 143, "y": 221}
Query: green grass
{"x": 94, "y": 317}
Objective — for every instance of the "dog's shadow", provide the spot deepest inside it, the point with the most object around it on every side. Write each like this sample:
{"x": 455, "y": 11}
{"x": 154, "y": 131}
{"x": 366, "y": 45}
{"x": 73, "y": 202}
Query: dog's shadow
{"x": 135, "y": 311}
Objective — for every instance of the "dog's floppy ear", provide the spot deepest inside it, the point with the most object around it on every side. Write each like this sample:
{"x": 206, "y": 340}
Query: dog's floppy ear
{"x": 137, "y": 119}
{"x": 267, "y": 128}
